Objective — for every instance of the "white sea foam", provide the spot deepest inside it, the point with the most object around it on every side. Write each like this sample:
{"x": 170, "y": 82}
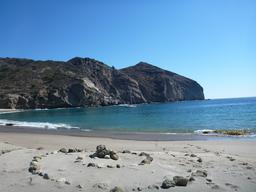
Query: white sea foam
{"x": 45, "y": 125}
{"x": 204, "y": 131}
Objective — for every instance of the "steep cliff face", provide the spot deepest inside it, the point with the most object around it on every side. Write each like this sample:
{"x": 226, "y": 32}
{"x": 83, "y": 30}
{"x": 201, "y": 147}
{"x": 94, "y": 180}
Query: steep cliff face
{"x": 26, "y": 83}
{"x": 158, "y": 85}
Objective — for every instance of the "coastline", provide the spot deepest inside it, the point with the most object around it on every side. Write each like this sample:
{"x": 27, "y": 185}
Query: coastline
{"x": 121, "y": 135}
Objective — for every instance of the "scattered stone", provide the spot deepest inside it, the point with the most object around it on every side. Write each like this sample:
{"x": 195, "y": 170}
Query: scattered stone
{"x": 167, "y": 183}
{"x": 180, "y": 181}
{"x": 232, "y": 186}
{"x": 134, "y": 153}
{"x": 193, "y": 155}
{"x": 189, "y": 170}
{"x": 215, "y": 186}
{"x": 117, "y": 189}
{"x": 200, "y": 173}
{"x": 39, "y": 148}
{"x": 139, "y": 188}
{"x": 209, "y": 180}
{"x": 34, "y": 167}
{"x": 54, "y": 152}
{"x": 113, "y": 155}
{"x": 79, "y": 159}
{"x": 63, "y": 150}
{"x": 191, "y": 178}
{"x": 110, "y": 166}
{"x": 148, "y": 160}
{"x": 199, "y": 160}
{"x": 37, "y": 158}
{"x": 126, "y": 151}
{"x": 249, "y": 167}
{"x": 153, "y": 187}
{"x": 41, "y": 174}
{"x": 67, "y": 183}
{"x": 186, "y": 154}
{"x": 91, "y": 165}
{"x": 71, "y": 150}
{"x": 103, "y": 186}
{"x": 79, "y": 186}
{"x": 46, "y": 176}
{"x": 143, "y": 154}
{"x": 231, "y": 158}
{"x": 118, "y": 166}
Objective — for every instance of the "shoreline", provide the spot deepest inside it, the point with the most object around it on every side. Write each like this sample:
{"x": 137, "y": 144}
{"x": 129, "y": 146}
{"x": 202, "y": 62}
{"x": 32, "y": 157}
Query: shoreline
{"x": 122, "y": 135}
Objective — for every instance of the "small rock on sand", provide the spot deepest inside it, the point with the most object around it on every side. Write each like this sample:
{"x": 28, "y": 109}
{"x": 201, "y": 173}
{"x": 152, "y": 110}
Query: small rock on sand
{"x": 46, "y": 176}
{"x": 79, "y": 186}
{"x": 117, "y": 189}
{"x": 113, "y": 155}
{"x": 192, "y": 155}
{"x": 167, "y": 183}
{"x": 103, "y": 186}
{"x": 200, "y": 173}
{"x": 91, "y": 165}
{"x": 126, "y": 151}
{"x": 148, "y": 160}
{"x": 63, "y": 150}
{"x": 199, "y": 160}
{"x": 153, "y": 187}
{"x": 180, "y": 181}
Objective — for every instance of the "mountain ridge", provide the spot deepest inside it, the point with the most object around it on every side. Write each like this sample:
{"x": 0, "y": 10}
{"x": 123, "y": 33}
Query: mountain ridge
{"x": 81, "y": 82}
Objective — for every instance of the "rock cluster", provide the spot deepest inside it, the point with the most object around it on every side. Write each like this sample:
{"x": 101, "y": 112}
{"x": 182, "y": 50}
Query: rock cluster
{"x": 147, "y": 160}
{"x": 103, "y": 152}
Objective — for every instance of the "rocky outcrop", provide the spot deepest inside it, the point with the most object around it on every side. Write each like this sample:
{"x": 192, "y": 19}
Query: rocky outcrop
{"x": 26, "y": 83}
{"x": 158, "y": 85}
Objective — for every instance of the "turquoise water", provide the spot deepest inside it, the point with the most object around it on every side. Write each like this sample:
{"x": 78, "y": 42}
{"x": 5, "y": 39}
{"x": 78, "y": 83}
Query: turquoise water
{"x": 186, "y": 116}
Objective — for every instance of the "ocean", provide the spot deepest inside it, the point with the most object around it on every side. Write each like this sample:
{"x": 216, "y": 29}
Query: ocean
{"x": 174, "y": 117}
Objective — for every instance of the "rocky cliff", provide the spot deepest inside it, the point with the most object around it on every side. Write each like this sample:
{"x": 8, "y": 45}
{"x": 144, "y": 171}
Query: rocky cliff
{"x": 26, "y": 83}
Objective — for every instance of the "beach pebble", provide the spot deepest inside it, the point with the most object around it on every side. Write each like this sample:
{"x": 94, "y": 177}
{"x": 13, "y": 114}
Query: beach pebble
{"x": 117, "y": 189}
{"x": 46, "y": 176}
{"x": 180, "y": 181}
{"x": 167, "y": 183}
{"x": 193, "y": 155}
{"x": 199, "y": 160}
{"x": 113, "y": 155}
{"x": 34, "y": 167}
{"x": 63, "y": 150}
{"x": 39, "y": 148}
{"x": 191, "y": 178}
{"x": 110, "y": 166}
{"x": 118, "y": 166}
{"x": 91, "y": 165}
{"x": 126, "y": 151}
{"x": 153, "y": 187}
{"x": 148, "y": 160}
{"x": 79, "y": 186}
{"x": 200, "y": 173}
{"x": 103, "y": 186}
{"x": 143, "y": 154}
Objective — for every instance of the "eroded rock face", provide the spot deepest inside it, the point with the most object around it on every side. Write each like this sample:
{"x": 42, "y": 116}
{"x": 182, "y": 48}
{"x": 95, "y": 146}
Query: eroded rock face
{"x": 26, "y": 83}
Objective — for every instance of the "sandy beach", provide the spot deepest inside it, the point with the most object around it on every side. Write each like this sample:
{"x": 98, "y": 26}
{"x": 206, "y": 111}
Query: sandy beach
{"x": 34, "y": 162}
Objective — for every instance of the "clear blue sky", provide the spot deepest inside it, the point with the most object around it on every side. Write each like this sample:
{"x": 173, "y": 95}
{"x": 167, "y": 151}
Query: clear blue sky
{"x": 211, "y": 41}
